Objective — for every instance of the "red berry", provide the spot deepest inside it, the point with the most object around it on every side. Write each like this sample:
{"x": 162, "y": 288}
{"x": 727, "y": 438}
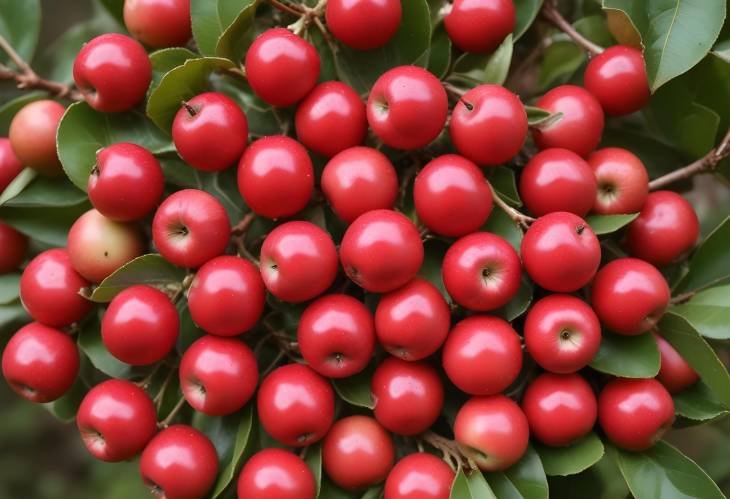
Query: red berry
{"x": 143, "y": 20}
{"x": 419, "y": 476}
{"x": 480, "y": 25}
{"x": 276, "y": 474}
{"x": 352, "y": 21}
{"x": 33, "y": 136}
{"x": 623, "y": 183}
{"x": 14, "y": 248}
{"x": 617, "y": 78}
{"x": 675, "y": 373}
{"x": 10, "y": 165}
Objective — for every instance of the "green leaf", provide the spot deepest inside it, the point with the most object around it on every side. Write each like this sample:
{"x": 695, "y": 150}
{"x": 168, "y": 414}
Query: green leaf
{"x": 606, "y": 224}
{"x": 12, "y": 317}
{"x": 627, "y": 356}
{"x": 521, "y": 301}
{"x": 526, "y": 476}
{"x": 355, "y": 390}
{"x": 439, "y": 57}
{"x": 659, "y": 157}
{"x": 236, "y": 36}
{"x": 314, "y": 461}
{"x": 17, "y": 185}
{"x": 708, "y": 312}
{"x": 537, "y": 117}
{"x": 501, "y": 224}
{"x": 49, "y": 225}
{"x": 242, "y": 447}
{"x": 699, "y": 403}
{"x": 503, "y": 181}
{"x": 473, "y": 486}
{"x": 9, "y": 288}
{"x": 263, "y": 119}
{"x": 559, "y": 62}
{"x": 9, "y": 109}
{"x": 206, "y": 25}
{"x": 44, "y": 191}
{"x": 64, "y": 409}
{"x": 477, "y": 69}
{"x": 91, "y": 344}
{"x": 710, "y": 264}
{"x": 526, "y": 12}
{"x": 165, "y": 60}
{"x": 20, "y": 23}
{"x": 572, "y": 459}
{"x": 375, "y": 492}
{"x": 152, "y": 270}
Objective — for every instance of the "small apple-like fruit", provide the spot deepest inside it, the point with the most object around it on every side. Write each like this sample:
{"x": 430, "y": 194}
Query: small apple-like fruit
{"x": 419, "y": 476}
{"x": 218, "y": 375}
{"x": 482, "y": 355}
{"x": 113, "y": 72}
{"x": 560, "y": 408}
{"x": 33, "y": 136}
{"x": 493, "y": 431}
{"x": 276, "y": 474}
{"x": 141, "y": 326}
{"x": 480, "y": 25}
{"x": 381, "y": 251}
{"x": 357, "y": 452}
{"x": 14, "y": 248}
{"x": 296, "y": 406}
{"x": 281, "y": 67}
{"x": 352, "y": 21}
{"x": 116, "y": 420}
{"x": 407, "y": 107}
{"x": 50, "y": 289}
{"x": 191, "y": 227}
{"x": 227, "y": 296}
{"x": 635, "y": 413}
{"x": 629, "y": 296}
{"x": 40, "y": 363}
{"x": 298, "y": 261}
{"x": 675, "y": 373}
{"x": 10, "y": 165}
{"x": 560, "y": 252}
{"x": 617, "y": 78}
{"x": 623, "y": 183}
{"x": 159, "y": 23}
{"x": 488, "y": 125}
{"x": 336, "y": 335}
{"x": 276, "y": 177}
{"x": 562, "y": 333}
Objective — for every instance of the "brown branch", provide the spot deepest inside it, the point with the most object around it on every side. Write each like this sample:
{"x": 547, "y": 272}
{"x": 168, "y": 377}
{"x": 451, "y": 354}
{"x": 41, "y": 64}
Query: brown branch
{"x": 450, "y": 450}
{"x": 518, "y": 217}
{"x": 286, "y": 8}
{"x": 175, "y": 410}
{"x": 454, "y": 90}
{"x": 550, "y": 13}
{"x": 242, "y": 227}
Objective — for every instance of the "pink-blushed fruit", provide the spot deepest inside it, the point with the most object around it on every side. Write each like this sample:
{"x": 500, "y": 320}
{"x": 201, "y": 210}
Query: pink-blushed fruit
{"x": 276, "y": 473}
{"x": 143, "y": 20}
{"x": 419, "y": 476}
{"x": 480, "y": 25}
{"x": 352, "y": 21}
{"x": 32, "y": 136}
{"x": 617, "y": 78}
{"x": 675, "y": 373}
{"x": 623, "y": 183}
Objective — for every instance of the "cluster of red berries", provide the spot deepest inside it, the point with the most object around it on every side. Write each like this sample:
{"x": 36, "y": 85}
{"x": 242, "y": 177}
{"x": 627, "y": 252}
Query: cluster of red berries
{"x": 381, "y": 251}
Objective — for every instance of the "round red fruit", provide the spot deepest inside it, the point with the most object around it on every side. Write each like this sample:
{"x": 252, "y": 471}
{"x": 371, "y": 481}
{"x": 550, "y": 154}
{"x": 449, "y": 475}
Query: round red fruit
{"x": 675, "y": 373}
{"x": 276, "y": 473}
{"x": 617, "y": 78}
{"x": 14, "y": 248}
{"x": 10, "y": 165}
{"x": 142, "y": 19}
{"x": 480, "y": 25}
{"x": 352, "y": 21}
{"x": 419, "y": 476}
{"x": 623, "y": 183}
{"x": 33, "y": 136}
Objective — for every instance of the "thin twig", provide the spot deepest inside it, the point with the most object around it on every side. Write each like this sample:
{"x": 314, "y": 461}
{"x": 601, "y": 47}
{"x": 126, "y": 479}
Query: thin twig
{"x": 683, "y": 298}
{"x": 518, "y": 217}
{"x": 450, "y": 449}
{"x": 242, "y": 227}
{"x": 550, "y": 13}
{"x": 166, "y": 422}
{"x": 454, "y": 90}
{"x": 160, "y": 396}
{"x": 286, "y": 8}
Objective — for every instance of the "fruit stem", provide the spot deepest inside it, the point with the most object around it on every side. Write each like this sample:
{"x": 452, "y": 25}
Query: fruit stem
{"x": 518, "y": 217}
{"x": 550, "y": 13}
{"x": 166, "y": 422}
{"x": 190, "y": 109}
{"x": 450, "y": 449}
{"x": 242, "y": 227}
{"x": 157, "y": 400}
{"x": 454, "y": 90}
{"x": 290, "y": 9}
{"x": 682, "y": 298}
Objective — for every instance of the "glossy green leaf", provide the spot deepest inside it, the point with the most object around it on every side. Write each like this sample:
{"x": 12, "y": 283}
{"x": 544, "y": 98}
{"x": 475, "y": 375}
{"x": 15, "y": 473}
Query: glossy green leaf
{"x": 526, "y": 12}
{"x": 45, "y": 191}
{"x": 472, "y": 486}
{"x": 606, "y": 224}
{"x": 526, "y": 476}
{"x": 375, "y": 492}
{"x": 64, "y": 409}
{"x": 698, "y": 403}
{"x": 504, "y": 182}
{"x": 331, "y": 491}
{"x": 519, "y": 304}
{"x": 233, "y": 40}
{"x": 659, "y": 157}
{"x": 18, "y": 184}
{"x": 355, "y": 390}
{"x": 537, "y": 117}
{"x": 476, "y": 69}
{"x": 90, "y": 343}
{"x": 9, "y": 287}
{"x": 439, "y": 57}
{"x": 573, "y": 459}
{"x": 263, "y": 119}
{"x": 165, "y": 60}
{"x": 151, "y": 270}
{"x": 710, "y": 264}
{"x": 559, "y": 62}
{"x": 206, "y": 25}
{"x": 20, "y": 23}
{"x": 627, "y": 356}
{"x": 9, "y": 109}
{"x": 49, "y": 225}
{"x": 314, "y": 462}
{"x": 708, "y": 312}
{"x": 242, "y": 435}
{"x": 501, "y": 224}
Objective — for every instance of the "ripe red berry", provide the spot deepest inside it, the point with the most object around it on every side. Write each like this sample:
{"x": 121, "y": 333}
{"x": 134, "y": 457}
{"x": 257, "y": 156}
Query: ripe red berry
{"x": 407, "y": 107}
{"x": 296, "y": 406}
{"x": 298, "y": 261}
{"x": 381, "y": 251}
{"x": 143, "y": 20}
{"x": 558, "y": 180}
{"x": 113, "y": 72}
{"x": 357, "y": 452}
{"x": 10, "y": 165}
{"x": 635, "y": 413}
{"x": 210, "y": 132}
{"x": 352, "y": 21}
{"x": 227, "y": 296}
{"x": 218, "y": 375}
{"x": 581, "y": 125}
{"x": 560, "y": 252}
{"x": 276, "y": 473}
{"x": 14, "y": 248}
{"x": 419, "y": 476}
{"x": 560, "y": 408}
{"x": 33, "y": 136}
{"x": 452, "y": 197}
{"x": 482, "y": 355}
{"x": 623, "y": 183}
{"x": 40, "y": 363}
{"x": 281, "y": 67}
{"x": 488, "y": 125}
{"x": 481, "y": 271}
{"x": 116, "y": 420}
{"x": 336, "y": 336}
{"x": 276, "y": 177}
{"x": 675, "y": 373}
{"x": 629, "y": 296}
{"x": 480, "y": 25}
{"x": 141, "y": 326}
{"x": 413, "y": 321}
{"x": 617, "y": 78}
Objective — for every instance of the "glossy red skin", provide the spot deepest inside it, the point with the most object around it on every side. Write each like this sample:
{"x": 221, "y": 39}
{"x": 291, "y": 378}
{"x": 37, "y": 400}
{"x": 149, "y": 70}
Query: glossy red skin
{"x": 33, "y": 136}
{"x": 218, "y": 375}
{"x": 407, "y": 107}
{"x": 49, "y": 289}
{"x": 215, "y": 136}
{"x": 560, "y": 252}
{"x": 358, "y": 180}
{"x": 331, "y": 119}
{"x": 419, "y": 476}
{"x": 298, "y": 261}
{"x": 190, "y": 227}
{"x": 635, "y": 413}
{"x": 675, "y": 373}
{"x": 493, "y": 431}
{"x": 281, "y": 67}
{"x": 666, "y": 228}
{"x": 227, "y": 296}
{"x": 617, "y": 78}
{"x": 179, "y": 463}
{"x": 481, "y": 271}
{"x": 623, "y": 183}
{"x": 381, "y": 251}
{"x": 141, "y": 326}
{"x": 629, "y": 296}
{"x": 560, "y": 408}
{"x": 98, "y": 246}
{"x": 352, "y": 21}
{"x": 488, "y": 125}
{"x": 15, "y": 248}
{"x": 581, "y": 126}
{"x": 452, "y": 197}
{"x": 336, "y": 335}
{"x": 10, "y": 165}
{"x": 413, "y": 321}
{"x": 127, "y": 182}
{"x": 562, "y": 333}
{"x": 296, "y": 406}
{"x": 276, "y": 177}
{"x": 357, "y": 452}
{"x": 480, "y": 25}
{"x": 143, "y": 20}
{"x": 276, "y": 473}
{"x": 558, "y": 180}
{"x": 482, "y": 355}
{"x": 409, "y": 396}
{"x": 116, "y": 420}
{"x": 40, "y": 363}
{"x": 113, "y": 72}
